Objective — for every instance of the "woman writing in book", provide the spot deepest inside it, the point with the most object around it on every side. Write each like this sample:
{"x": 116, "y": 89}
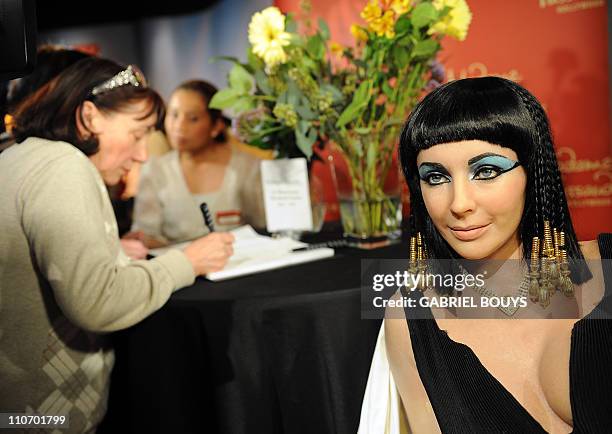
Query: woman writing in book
{"x": 64, "y": 279}
{"x": 485, "y": 185}
{"x": 204, "y": 166}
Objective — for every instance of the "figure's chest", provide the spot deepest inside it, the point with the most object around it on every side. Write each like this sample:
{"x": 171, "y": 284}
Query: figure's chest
{"x": 530, "y": 358}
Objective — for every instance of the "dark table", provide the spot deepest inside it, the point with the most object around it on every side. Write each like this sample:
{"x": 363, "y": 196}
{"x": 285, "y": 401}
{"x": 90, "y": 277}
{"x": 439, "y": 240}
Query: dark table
{"x": 278, "y": 352}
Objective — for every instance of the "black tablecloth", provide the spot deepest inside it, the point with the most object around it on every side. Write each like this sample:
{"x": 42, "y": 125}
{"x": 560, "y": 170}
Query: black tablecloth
{"x": 279, "y": 352}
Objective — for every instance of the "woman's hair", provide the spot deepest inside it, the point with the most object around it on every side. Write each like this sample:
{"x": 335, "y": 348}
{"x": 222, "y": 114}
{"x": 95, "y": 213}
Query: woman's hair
{"x": 500, "y": 112}
{"x": 50, "y": 113}
{"x": 206, "y": 91}
{"x": 51, "y": 60}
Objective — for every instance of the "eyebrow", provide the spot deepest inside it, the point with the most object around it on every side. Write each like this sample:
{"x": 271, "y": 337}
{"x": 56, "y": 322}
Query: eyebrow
{"x": 486, "y": 154}
{"x": 433, "y": 165}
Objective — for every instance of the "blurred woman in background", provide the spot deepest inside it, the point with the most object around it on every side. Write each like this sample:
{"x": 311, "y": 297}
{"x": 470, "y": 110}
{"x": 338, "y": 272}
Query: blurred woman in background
{"x": 204, "y": 166}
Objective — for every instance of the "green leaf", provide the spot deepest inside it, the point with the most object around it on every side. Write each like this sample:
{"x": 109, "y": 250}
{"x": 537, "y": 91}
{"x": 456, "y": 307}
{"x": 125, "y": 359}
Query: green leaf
{"x": 371, "y": 155}
{"x": 367, "y": 52}
{"x": 283, "y": 98}
{"x": 309, "y": 64}
{"x": 215, "y": 59}
{"x": 305, "y": 112}
{"x": 249, "y": 68}
{"x": 336, "y": 94}
{"x": 405, "y": 41}
{"x": 223, "y": 99}
{"x": 357, "y": 105}
{"x": 324, "y": 29}
{"x": 361, "y": 94}
{"x": 240, "y": 79}
{"x": 423, "y": 14}
{"x": 243, "y": 104}
{"x": 363, "y": 130}
{"x": 316, "y": 47}
{"x": 262, "y": 82}
{"x": 401, "y": 57}
{"x": 402, "y": 25}
{"x": 293, "y": 94}
{"x": 254, "y": 61}
{"x": 425, "y": 48}
{"x": 388, "y": 90}
{"x": 349, "y": 114}
{"x": 305, "y": 138}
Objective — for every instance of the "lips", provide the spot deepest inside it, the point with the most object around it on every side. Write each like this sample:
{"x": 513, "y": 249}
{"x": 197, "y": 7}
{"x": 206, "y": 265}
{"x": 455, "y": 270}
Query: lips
{"x": 468, "y": 233}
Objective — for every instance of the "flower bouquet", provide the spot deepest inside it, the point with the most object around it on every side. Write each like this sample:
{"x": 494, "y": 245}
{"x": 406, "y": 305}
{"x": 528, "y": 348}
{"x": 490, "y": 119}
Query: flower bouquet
{"x": 298, "y": 89}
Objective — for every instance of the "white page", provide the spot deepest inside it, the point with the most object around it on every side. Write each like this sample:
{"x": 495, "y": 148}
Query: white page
{"x": 254, "y": 253}
{"x": 286, "y": 195}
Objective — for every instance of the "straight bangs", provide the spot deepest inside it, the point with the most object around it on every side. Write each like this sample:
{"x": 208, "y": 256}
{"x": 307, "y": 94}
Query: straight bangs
{"x": 470, "y": 109}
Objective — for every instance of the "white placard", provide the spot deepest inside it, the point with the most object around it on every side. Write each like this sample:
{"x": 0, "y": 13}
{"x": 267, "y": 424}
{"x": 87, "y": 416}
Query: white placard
{"x": 286, "y": 195}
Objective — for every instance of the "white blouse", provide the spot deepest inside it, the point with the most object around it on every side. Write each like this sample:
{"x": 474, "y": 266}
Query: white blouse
{"x": 167, "y": 210}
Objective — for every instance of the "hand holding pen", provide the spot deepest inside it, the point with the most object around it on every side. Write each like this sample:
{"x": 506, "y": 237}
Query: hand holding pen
{"x": 211, "y": 252}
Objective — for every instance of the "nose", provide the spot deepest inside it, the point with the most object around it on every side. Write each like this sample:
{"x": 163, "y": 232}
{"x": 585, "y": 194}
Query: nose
{"x": 463, "y": 201}
{"x": 177, "y": 125}
{"x": 140, "y": 155}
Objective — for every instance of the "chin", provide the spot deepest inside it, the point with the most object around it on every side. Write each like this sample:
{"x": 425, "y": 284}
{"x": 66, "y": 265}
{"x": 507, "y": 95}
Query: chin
{"x": 473, "y": 250}
{"x": 473, "y": 254}
{"x": 112, "y": 180}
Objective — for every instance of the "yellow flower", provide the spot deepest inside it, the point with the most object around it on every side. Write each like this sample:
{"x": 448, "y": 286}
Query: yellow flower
{"x": 385, "y": 25}
{"x": 371, "y": 11}
{"x": 456, "y": 22}
{"x": 336, "y": 48}
{"x": 359, "y": 33}
{"x": 268, "y": 37}
{"x": 400, "y": 6}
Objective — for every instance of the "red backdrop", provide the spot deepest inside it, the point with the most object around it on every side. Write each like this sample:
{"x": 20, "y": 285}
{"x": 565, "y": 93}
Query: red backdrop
{"x": 557, "y": 49}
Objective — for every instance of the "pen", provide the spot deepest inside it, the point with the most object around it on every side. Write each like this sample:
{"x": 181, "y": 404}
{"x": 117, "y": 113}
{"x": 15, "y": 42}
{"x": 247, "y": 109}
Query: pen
{"x": 208, "y": 221}
{"x": 334, "y": 244}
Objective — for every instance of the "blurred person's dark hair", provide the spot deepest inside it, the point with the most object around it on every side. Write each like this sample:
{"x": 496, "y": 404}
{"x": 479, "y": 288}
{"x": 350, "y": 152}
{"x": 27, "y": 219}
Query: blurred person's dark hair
{"x": 51, "y": 61}
{"x": 51, "y": 112}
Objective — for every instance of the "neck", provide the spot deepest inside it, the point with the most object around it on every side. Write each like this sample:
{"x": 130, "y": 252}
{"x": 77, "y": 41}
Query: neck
{"x": 509, "y": 255}
{"x": 213, "y": 152}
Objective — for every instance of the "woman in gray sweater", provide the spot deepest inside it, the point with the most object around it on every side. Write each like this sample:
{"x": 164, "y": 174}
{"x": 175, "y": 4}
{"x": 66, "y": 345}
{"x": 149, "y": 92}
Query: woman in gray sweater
{"x": 64, "y": 280}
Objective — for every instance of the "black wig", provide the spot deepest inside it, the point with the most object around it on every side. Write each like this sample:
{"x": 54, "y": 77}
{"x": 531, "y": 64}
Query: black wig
{"x": 500, "y": 112}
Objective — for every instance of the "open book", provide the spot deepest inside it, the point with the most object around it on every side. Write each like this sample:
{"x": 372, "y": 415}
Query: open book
{"x": 254, "y": 253}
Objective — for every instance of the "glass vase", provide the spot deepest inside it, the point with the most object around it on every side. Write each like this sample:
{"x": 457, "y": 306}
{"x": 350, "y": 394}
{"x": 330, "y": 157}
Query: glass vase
{"x": 368, "y": 186}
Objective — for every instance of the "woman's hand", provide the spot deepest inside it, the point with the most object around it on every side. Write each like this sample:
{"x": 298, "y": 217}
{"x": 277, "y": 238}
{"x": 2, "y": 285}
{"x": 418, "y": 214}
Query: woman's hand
{"x": 134, "y": 248}
{"x": 210, "y": 253}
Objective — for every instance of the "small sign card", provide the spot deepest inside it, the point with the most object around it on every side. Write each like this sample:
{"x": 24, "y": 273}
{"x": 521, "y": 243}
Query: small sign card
{"x": 286, "y": 195}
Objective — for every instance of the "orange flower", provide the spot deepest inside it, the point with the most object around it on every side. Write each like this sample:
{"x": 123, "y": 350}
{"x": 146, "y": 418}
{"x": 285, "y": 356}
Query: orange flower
{"x": 336, "y": 48}
{"x": 359, "y": 33}
{"x": 371, "y": 11}
{"x": 385, "y": 25}
{"x": 400, "y": 6}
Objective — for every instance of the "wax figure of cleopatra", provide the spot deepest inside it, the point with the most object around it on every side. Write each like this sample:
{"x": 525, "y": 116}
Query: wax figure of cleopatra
{"x": 486, "y": 189}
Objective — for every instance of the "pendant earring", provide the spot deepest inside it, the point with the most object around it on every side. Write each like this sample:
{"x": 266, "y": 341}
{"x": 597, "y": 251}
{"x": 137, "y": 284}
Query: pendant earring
{"x": 534, "y": 271}
{"x": 565, "y": 283}
{"x": 549, "y": 268}
{"x": 417, "y": 264}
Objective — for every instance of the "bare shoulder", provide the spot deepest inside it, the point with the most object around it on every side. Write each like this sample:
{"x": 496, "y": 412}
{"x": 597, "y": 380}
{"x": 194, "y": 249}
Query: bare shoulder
{"x": 590, "y": 249}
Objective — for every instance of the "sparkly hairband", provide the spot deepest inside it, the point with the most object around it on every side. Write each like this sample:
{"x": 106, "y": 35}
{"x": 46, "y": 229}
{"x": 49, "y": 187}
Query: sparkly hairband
{"x": 130, "y": 75}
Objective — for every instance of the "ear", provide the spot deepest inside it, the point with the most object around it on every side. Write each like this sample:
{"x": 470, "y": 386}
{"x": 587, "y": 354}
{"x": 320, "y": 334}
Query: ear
{"x": 217, "y": 128}
{"x": 89, "y": 119}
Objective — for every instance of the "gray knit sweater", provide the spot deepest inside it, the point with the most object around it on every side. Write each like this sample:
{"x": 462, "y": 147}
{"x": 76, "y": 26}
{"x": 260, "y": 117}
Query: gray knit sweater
{"x": 64, "y": 282}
